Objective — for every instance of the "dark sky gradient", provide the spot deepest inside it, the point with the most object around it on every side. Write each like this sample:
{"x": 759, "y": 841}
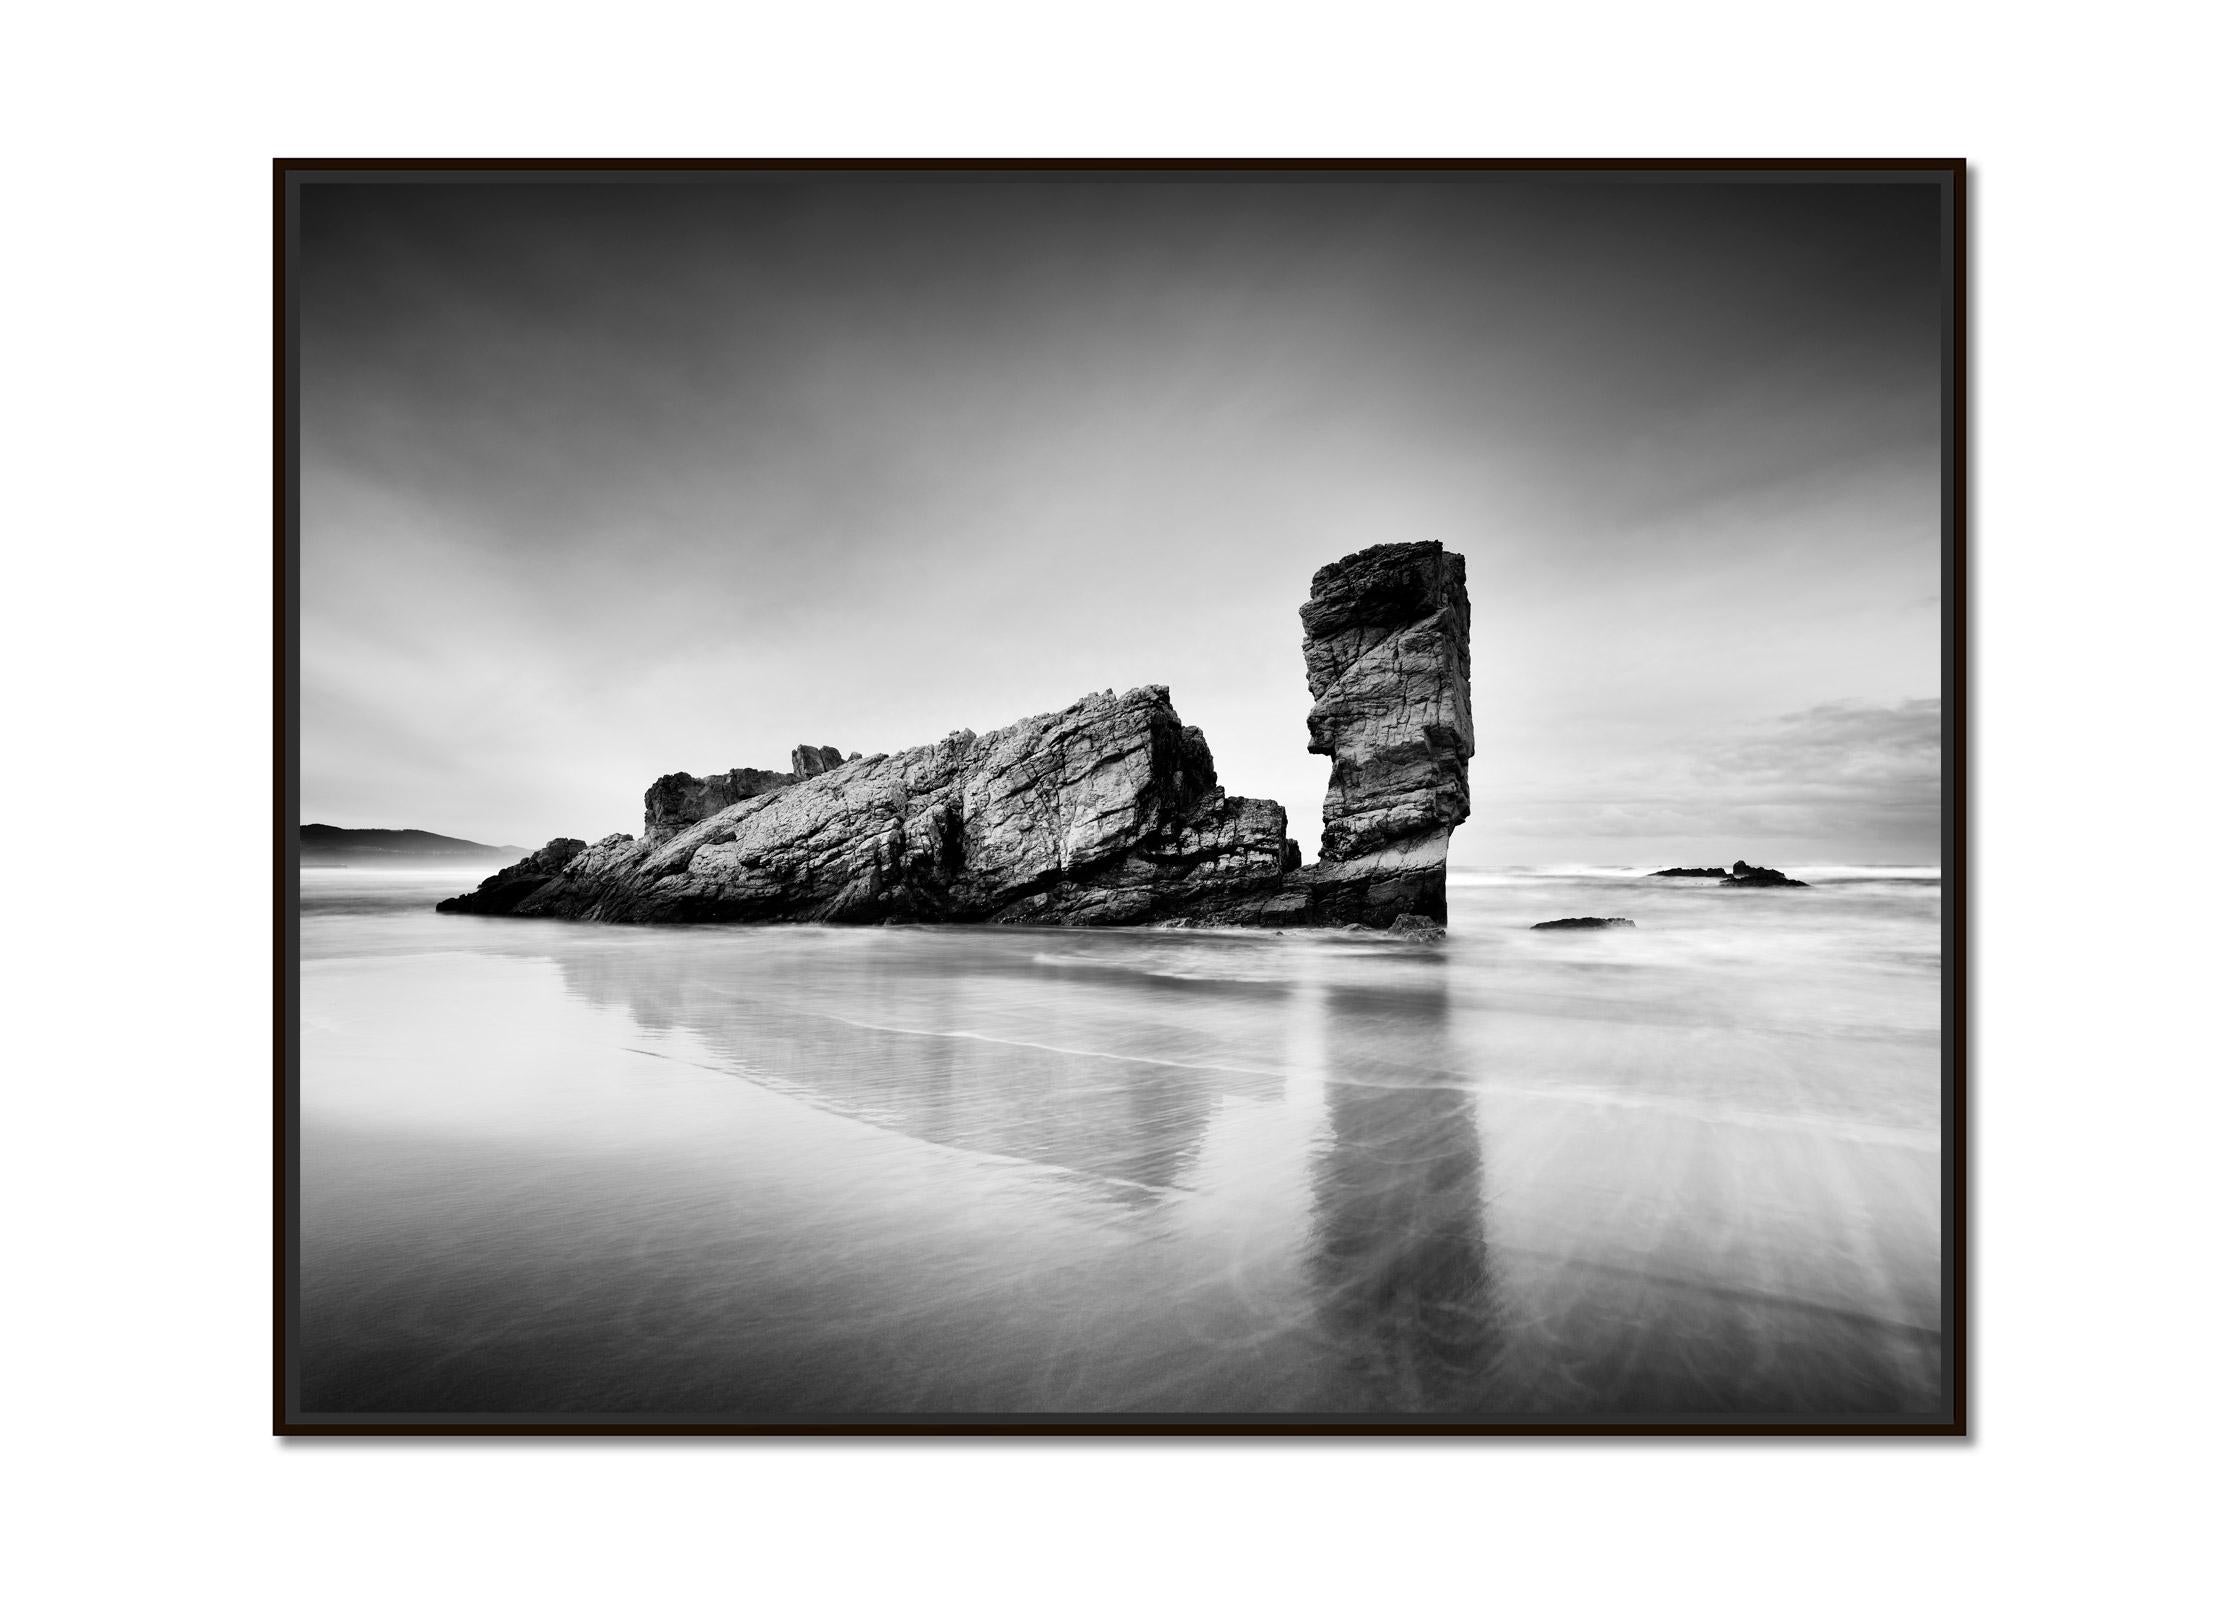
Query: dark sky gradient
{"x": 605, "y": 481}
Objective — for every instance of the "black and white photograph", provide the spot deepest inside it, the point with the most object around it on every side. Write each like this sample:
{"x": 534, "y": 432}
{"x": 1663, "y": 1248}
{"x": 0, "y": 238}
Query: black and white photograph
{"x": 1190, "y": 800}
{"x": 1103, "y": 797}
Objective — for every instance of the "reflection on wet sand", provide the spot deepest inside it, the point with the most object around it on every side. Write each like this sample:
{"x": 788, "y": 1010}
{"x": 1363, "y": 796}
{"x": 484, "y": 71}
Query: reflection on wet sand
{"x": 978, "y": 1043}
{"x": 739, "y": 1171}
{"x": 1400, "y": 1258}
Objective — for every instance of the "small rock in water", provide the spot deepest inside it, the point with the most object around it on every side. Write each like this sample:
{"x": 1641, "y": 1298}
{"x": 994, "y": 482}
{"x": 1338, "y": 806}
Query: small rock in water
{"x": 1421, "y": 929}
{"x": 1741, "y": 873}
{"x": 1748, "y": 877}
{"x": 1585, "y": 922}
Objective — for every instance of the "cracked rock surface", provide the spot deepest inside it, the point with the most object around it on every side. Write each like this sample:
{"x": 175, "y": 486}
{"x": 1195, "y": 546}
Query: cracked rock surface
{"x": 1105, "y": 812}
{"x": 1388, "y": 662}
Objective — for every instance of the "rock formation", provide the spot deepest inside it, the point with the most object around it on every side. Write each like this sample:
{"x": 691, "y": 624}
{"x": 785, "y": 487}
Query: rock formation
{"x": 1740, "y": 875}
{"x": 1107, "y": 812}
{"x": 676, "y": 802}
{"x": 1584, "y": 922}
{"x": 1744, "y": 875}
{"x": 505, "y": 891}
{"x": 1388, "y": 662}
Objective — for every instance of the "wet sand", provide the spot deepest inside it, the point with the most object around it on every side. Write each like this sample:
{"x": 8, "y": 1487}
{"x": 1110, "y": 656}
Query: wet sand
{"x": 1689, "y": 1168}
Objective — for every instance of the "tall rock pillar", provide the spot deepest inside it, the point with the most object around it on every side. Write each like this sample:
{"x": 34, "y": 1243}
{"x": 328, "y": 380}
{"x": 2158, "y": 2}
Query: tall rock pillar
{"x": 1388, "y": 662}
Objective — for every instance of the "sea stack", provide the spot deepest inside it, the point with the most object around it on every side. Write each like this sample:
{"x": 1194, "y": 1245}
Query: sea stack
{"x": 1106, "y": 813}
{"x": 1388, "y": 663}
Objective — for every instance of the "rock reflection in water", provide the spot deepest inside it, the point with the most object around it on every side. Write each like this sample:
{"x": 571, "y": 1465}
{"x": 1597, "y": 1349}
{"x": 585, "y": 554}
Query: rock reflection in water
{"x": 1400, "y": 1252}
{"x": 992, "y": 1043}
{"x": 560, "y": 1168}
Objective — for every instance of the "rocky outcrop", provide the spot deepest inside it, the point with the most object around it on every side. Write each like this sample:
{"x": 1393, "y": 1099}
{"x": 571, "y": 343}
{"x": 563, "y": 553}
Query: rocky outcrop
{"x": 1388, "y": 662}
{"x": 1105, "y": 812}
{"x": 1108, "y": 812}
{"x": 1745, "y": 876}
{"x": 1584, "y": 922}
{"x": 1740, "y": 875}
{"x": 676, "y": 802}
{"x": 508, "y": 890}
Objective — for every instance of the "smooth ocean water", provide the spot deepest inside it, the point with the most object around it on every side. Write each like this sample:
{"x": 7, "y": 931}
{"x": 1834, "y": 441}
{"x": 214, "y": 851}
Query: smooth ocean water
{"x": 1687, "y": 1168}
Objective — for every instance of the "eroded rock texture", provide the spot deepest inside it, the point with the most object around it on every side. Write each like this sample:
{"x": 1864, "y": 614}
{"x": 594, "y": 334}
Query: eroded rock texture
{"x": 505, "y": 891}
{"x": 1107, "y": 812}
{"x": 677, "y": 801}
{"x": 1388, "y": 662}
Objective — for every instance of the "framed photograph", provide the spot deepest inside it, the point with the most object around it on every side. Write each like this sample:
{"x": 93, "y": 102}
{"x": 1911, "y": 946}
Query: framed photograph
{"x": 1305, "y": 798}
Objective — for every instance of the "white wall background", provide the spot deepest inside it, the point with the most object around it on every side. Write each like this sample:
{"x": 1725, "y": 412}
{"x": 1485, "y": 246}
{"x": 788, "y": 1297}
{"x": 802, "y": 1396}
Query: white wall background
{"x": 137, "y": 1180}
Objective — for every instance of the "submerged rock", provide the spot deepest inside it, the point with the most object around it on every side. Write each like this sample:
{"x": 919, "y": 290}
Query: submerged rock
{"x": 1107, "y": 812}
{"x": 1585, "y": 922}
{"x": 1689, "y": 872}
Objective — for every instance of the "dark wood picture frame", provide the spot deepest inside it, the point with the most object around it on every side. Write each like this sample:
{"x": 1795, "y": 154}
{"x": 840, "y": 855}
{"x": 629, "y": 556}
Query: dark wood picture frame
{"x": 1949, "y": 175}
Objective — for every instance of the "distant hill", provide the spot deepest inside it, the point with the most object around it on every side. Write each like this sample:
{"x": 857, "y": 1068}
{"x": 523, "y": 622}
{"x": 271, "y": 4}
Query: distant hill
{"x": 325, "y": 846}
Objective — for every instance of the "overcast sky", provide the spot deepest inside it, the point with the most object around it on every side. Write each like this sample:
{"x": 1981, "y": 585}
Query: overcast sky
{"x": 603, "y": 482}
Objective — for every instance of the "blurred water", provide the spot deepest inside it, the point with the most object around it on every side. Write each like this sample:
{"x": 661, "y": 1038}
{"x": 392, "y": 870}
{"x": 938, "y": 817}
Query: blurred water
{"x": 1691, "y": 1167}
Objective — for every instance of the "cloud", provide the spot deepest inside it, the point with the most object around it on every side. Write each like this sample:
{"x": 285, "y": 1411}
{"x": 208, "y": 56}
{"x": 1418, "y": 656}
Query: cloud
{"x": 1844, "y": 754}
{"x": 605, "y": 481}
{"x": 1843, "y": 780}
